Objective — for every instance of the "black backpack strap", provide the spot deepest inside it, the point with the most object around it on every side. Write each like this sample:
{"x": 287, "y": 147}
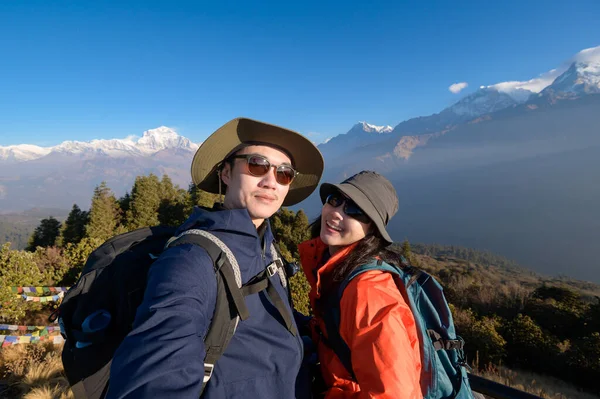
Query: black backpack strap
{"x": 288, "y": 318}
{"x": 262, "y": 282}
{"x": 334, "y": 339}
{"x": 230, "y": 305}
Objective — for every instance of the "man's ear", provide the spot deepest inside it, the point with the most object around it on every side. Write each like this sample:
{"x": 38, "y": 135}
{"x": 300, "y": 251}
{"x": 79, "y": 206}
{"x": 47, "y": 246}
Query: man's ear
{"x": 226, "y": 173}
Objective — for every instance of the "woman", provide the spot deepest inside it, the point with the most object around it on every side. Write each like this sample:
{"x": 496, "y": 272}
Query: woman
{"x": 375, "y": 322}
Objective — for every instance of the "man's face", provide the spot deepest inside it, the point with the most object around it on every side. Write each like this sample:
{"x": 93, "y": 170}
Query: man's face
{"x": 262, "y": 196}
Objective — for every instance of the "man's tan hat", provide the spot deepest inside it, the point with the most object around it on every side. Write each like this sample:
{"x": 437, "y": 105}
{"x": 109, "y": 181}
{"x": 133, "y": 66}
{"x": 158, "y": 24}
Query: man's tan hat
{"x": 239, "y": 132}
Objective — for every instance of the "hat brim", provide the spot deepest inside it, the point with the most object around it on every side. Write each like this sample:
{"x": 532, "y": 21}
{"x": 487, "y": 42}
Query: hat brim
{"x": 359, "y": 199}
{"x": 306, "y": 157}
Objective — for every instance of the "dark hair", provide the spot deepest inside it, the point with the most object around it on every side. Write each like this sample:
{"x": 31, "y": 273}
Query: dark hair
{"x": 368, "y": 248}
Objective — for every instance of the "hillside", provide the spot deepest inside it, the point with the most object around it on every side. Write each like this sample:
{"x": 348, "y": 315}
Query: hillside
{"x": 510, "y": 316}
{"x": 17, "y": 235}
{"x": 16, "y": 228}
{"x": 493, "y": 270}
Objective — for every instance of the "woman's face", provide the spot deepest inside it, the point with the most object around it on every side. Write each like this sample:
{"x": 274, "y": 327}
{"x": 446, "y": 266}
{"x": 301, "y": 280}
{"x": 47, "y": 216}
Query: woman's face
{"x": 337, "y": 228}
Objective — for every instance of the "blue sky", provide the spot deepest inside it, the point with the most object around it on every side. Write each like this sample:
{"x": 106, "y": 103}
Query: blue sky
{"x": 94, "y": 69}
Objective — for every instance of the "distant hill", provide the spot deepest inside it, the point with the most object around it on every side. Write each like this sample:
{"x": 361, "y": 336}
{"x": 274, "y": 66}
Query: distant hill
{"x": 492, "y": 270}
{"x": 17, "y": 235}
{"x": 484, "y": 258}
{"x": 16, "y": 228}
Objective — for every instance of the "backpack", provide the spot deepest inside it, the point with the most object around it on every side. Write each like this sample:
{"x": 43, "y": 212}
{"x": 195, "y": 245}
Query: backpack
{"x": 443, "y": 373}
{"x": 98, "y": 312}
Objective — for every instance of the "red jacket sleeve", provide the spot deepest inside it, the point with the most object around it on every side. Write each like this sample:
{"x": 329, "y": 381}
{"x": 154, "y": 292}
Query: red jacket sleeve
{"x": 378, "y": 326}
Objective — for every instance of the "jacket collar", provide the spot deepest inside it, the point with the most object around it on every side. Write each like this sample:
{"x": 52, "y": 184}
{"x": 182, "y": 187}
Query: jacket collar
{"x": 221, "y": 219}
{"x": 311, "y": 253}
{"x": 233, "y": 221}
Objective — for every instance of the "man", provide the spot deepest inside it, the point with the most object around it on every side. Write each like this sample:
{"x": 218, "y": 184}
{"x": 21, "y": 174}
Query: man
{"x": 260, "y": 167}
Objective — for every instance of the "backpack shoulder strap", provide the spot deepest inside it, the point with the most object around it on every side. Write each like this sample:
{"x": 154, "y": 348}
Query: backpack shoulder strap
{"x": 229, "y": 285}
{"x": 375, "y": 265}
{"x": 262, "y": 281}
{"x": 333, "y": 313}
{"x": 278, "y": 259}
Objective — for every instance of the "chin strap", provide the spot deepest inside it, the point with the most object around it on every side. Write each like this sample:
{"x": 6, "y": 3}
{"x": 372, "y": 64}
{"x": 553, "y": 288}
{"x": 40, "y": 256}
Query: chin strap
{"x": 221, "y": 199}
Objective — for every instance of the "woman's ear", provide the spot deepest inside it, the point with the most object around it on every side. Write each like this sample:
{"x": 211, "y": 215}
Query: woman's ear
{"x": 372, "y": 228}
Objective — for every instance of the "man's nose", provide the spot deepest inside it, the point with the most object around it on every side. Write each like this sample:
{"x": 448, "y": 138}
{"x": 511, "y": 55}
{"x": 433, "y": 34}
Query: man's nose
{"x": 270, "y": 179}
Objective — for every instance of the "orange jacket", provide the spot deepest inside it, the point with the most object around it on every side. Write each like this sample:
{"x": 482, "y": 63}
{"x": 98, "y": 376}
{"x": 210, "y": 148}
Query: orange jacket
{"x": 376, "y": 324}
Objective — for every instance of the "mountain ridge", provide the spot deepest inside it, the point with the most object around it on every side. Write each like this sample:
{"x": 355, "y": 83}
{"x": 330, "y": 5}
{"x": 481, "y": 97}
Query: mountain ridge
{"x": 151, "y": 142}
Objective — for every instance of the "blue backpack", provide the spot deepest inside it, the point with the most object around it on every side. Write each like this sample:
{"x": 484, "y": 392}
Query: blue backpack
{"x": 443, "y": 372}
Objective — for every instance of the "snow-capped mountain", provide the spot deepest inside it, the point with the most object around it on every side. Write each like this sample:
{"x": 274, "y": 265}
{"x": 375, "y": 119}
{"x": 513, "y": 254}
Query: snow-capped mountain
{"x": 581, "y": 78}
{"x": 367, "y": 127}
{"x": 22, "y": 152}
{"x": 577, "y": 77}
{"x": 361, "y": 134}
{"x": 152, "y": 141}
{"x": 162, "y": 138}
{"x": 67, "y": 173}
{"x": 484, "y": 101}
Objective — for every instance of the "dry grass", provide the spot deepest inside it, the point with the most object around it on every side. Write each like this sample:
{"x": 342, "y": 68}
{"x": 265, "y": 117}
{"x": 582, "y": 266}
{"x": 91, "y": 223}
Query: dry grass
{"x": 536, "y": 384}
{"x": 33, "y": 372}
{"x": 48, "y": 392}
{"x": 36, "y": 372}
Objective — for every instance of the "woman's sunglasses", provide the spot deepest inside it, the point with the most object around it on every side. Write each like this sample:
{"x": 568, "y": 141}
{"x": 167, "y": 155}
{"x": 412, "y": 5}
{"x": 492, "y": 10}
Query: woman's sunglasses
{"x": 350, "y": 207}
{"x": 260, "y": 166}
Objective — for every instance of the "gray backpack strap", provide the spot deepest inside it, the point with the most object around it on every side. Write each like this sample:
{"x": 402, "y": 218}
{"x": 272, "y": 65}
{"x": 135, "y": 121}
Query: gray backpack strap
{"x": 229, "y": 283}
{"x": 279, "y": 263}
{"x": 282, "y": 271}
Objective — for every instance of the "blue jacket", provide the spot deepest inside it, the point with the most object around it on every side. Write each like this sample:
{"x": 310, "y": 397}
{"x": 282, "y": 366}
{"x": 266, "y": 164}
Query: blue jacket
{"x": 163, "y": 356}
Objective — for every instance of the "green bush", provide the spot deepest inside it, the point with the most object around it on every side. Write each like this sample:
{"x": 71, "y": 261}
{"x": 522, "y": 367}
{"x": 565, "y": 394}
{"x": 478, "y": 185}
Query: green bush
{"x": 17, "y": 268}
{"x": 482, "y": 340}
{"x": 529, "y": 346}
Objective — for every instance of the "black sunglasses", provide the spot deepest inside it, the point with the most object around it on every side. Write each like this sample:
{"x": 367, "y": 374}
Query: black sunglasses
{"x": 350, "y": 207}
{"x": 260, "y": 166}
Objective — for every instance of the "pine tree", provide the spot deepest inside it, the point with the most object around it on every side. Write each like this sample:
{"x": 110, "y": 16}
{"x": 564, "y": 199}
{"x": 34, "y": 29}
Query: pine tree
{"x": 74, "y": 228}
{"x": 300, "y": 231}
{"x": 174, "y": 204}
{"x": 45, "y": 234}
{"x": 406, "y": 251}
{"x": 145, "y": 201}
{"x": 124, "y": 204}
{"x": 200, "y": 197}
{"x": 104, "y": 214}
{"x": 290, "y": 229}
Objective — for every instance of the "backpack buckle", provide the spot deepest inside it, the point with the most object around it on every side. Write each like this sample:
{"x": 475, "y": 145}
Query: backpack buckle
{"x": 291, "y": 269}
{"x": 208, "y": 369}
{"x": 272, "y": 269}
